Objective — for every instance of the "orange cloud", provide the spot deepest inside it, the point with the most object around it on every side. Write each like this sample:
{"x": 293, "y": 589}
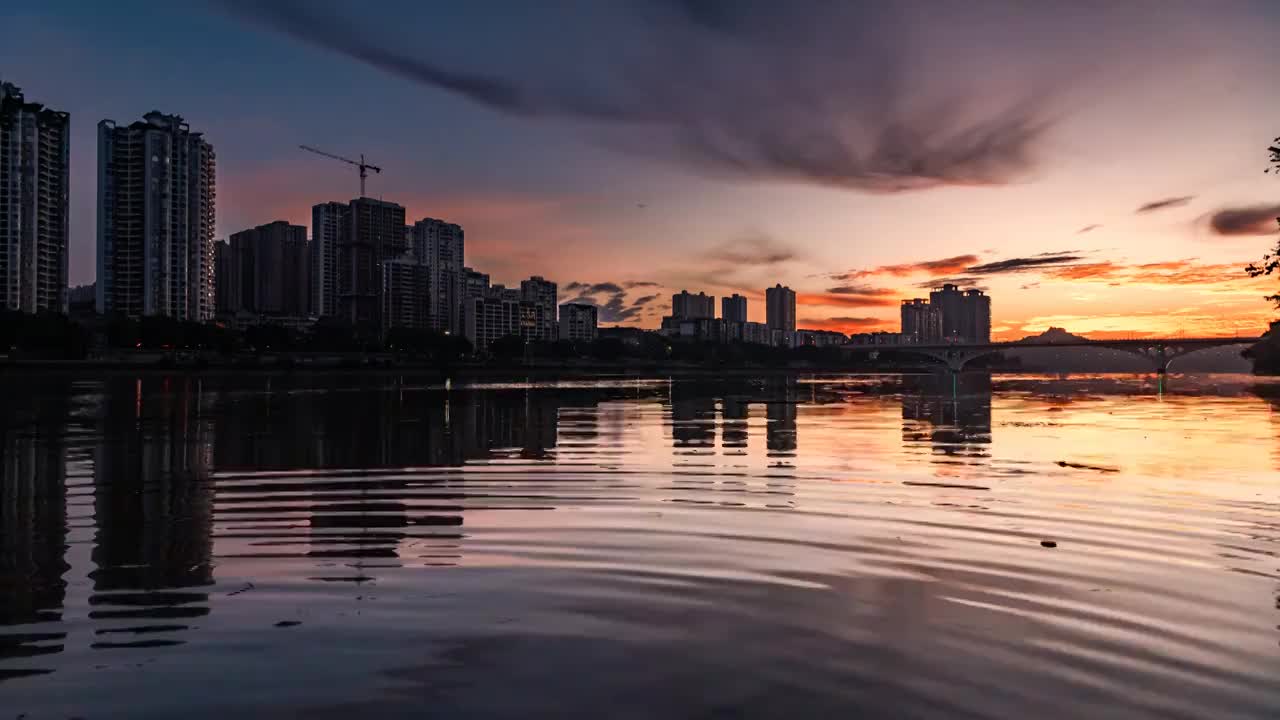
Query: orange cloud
{"x": 846, "y": 324}
{"x": 932, "y": 268}
{"x": 874, "y": 297}
{"x": 1215, "y": 277}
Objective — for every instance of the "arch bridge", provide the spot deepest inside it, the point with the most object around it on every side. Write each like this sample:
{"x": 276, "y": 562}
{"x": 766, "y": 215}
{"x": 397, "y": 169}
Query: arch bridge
{"x": 1159, "y": 351}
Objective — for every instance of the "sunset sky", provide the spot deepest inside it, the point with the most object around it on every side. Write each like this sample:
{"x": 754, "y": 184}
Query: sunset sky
{"x": 1095, "y": 166}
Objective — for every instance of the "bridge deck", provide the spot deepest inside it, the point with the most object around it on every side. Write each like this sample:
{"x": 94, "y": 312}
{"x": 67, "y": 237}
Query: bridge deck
{"x": 1015, "y": 345}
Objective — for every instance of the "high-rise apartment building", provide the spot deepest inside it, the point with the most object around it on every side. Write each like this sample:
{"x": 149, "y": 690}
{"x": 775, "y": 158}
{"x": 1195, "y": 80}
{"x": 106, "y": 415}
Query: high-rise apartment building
{"x": 440, "y": 246}
{"x": 406, "y": 286}
{"x": 780, "y": 309}
{"x": 978, "y": 310}
{"x": 578, "y": 322}
{"x": 268, "y": 271}
{"x": 491, "y": 317}
{"x": 966, "y": 314}
{"x": 374, "y": 234}
{"x": 329, "y": 223}
{"x": 540, "y": 293}
{"x": 475, "y": 284}
{"x": 921, "y": 321}
{"x": 156, "y": 204}
{"x": 34, "y": 178}
{"x": 226, "y": 279}
{"x": 687, "y": 306}
{"x": 733, "y": 308}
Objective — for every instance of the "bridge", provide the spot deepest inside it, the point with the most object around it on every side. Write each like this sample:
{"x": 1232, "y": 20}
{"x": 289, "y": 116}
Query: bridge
{"x": 1159, "y": 351}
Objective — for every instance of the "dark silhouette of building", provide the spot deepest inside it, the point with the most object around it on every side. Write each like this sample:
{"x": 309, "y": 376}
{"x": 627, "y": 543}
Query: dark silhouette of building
{"x": 733, "y": 308}
{"x": 780, "y": 310}
{"x": 329, "y": 224}
{"x": 921, "y": 321}
{"x": 406, "y": 293}
{"x": 578, "y": 322}
{"x": 374, "y": 235}
{"x": 441, "y": 247}
{"x": 687, "y": 306}
{"x": 35, "y": 174}
{"x": 539, "y": 293}
{"x": 966, "y": 315}
{"x": 156, "y": 202}
{"x": 266, "y": 271}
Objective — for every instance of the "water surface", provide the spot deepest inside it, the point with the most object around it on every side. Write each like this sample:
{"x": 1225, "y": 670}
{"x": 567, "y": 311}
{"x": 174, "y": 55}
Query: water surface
{"x": 774, "y": 547}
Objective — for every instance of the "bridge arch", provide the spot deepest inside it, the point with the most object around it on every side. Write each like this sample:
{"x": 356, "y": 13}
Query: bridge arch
{"x": 1159, "y": 352}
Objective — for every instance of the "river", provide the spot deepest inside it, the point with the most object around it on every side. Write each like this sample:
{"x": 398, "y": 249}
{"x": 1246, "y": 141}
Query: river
{"x": 865, "y": 546}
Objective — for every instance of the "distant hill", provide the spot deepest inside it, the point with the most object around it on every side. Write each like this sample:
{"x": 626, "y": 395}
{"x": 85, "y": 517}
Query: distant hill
{"x": 1053, "y": 335}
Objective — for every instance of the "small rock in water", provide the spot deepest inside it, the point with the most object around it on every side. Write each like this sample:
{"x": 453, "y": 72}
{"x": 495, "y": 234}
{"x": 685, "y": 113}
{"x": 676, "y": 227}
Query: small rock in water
{"x": 288, "y": 623}
{"x": 1048, "y": 544}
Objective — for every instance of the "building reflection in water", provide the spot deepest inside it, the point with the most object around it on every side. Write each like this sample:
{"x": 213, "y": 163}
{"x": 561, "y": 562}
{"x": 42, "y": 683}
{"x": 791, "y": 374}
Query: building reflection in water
{"x": 153, "y": 507}
{"x": 781, "y": 410}
{"x": 950, "y": 415}
{"x": 735, "y": 413}
{"x": 33, "y": 526}
{"x": 693, "y": 418}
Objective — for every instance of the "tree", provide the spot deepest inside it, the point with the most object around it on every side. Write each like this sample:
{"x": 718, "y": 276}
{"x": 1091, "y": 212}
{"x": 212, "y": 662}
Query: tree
{"x": 1271, "y": 261}
{"x": 507, "y": 347}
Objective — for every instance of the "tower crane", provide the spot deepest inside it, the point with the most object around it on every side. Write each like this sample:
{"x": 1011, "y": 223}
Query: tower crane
{"x": 364, "y": 166}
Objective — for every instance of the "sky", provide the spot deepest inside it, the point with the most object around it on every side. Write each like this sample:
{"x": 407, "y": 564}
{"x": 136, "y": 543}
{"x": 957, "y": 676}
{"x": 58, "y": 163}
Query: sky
{"x": 1096, "y": 166}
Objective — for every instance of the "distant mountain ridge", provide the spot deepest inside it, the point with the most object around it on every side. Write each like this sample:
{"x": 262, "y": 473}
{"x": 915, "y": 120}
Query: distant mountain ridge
{"x": 1053, "y": 335}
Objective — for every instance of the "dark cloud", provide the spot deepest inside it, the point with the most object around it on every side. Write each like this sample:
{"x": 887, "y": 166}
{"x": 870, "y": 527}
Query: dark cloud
{"x": 1014, "y": 265}
{"x": 753, "y": 249}
{"x": 831, "y": 93}
{"x": 865, "y": 291}
{"x": 1165, "y": 204}
{"x": 1087, "y": 228}
{"x": 959, "y": 280}
{"x": 934, "y": 268}
{"x": 631, "y": 284}
{"x": 1251, "y": 220}
{"x": 612, "y": 308}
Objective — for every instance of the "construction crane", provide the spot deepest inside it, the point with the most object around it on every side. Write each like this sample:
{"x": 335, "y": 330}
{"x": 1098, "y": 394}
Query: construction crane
{"x": 364, "y": 166}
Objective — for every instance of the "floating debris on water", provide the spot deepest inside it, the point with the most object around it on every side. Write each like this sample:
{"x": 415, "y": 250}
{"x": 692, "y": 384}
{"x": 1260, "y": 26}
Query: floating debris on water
{"x": 1082, "y": 466}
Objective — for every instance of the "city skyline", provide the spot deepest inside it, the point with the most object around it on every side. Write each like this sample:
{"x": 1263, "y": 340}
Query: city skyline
{"x": 1088, "y": 222}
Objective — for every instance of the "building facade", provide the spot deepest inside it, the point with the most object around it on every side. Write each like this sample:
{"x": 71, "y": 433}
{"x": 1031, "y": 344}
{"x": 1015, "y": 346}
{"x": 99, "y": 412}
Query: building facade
{"x": 780, "y": 309}
{"x": 475, "y": 284}
{"x": 35, "y": 170}
{"x": 687, "y": 306}
{"x": 156, "y": 206}
{"x": 921, "y": 321}
{"x": 375, "y": 234}
{"x": 491, "y": 317}
{"x": 541, "y": 293}
{"x": 966, "y": 314}
{"x": 733, "y": 308}
{"x": 406, "y": 294}
{"x": 579, "y": 322}
{"x": 266, "y": 271}
{"x": 441, "y": 247}
{"x": 330, "y": 222}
